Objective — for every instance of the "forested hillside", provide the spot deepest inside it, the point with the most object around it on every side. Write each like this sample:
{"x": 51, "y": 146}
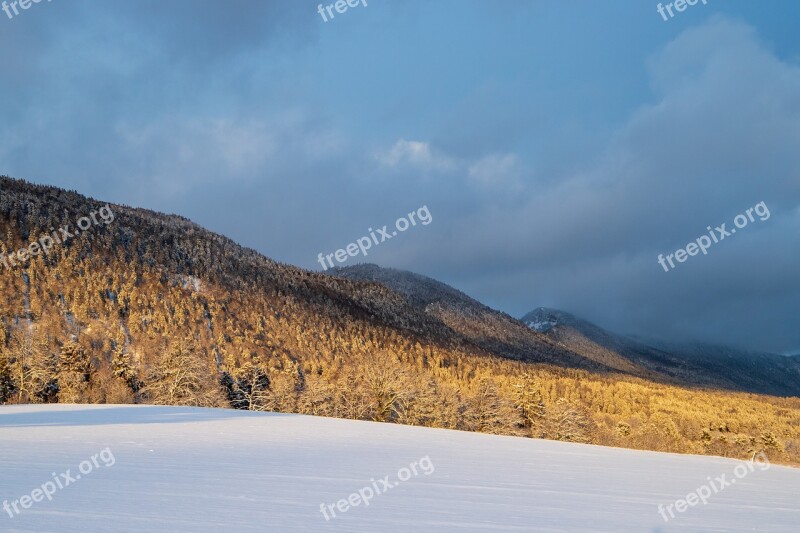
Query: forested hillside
{"x": 151, "y": 308}
{"x": 687, "y": 363}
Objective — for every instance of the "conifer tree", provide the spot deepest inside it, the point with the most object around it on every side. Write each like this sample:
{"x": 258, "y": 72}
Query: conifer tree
{"x": 74, "y": 373}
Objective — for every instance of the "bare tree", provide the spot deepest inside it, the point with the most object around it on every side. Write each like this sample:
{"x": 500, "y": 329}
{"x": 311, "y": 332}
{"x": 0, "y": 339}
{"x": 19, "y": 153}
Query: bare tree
{"x": 252, "y": 386}
{"x": 567, "y": 423}
{"x": 181, "y": 377}
{"x": 33, "y": 367}
{"x": 487, "y": 410}
{"x": 385, "y": 388}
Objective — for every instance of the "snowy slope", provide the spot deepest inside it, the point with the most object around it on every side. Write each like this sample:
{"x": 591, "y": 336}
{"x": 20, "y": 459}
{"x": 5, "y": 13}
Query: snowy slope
{"x": 185, "y": 469}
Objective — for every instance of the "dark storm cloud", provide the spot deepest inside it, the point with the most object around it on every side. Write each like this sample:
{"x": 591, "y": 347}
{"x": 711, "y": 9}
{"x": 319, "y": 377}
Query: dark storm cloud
{"x": 720, "y": 137}
{"x": 240, "y": 116}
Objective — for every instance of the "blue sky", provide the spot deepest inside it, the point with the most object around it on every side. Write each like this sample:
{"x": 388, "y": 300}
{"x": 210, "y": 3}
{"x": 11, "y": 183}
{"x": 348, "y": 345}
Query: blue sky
{"x": 560, "y": 146}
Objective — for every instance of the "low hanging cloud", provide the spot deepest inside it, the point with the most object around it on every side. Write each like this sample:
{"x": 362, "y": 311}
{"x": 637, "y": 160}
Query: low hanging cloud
{"x": 720, "y": 136}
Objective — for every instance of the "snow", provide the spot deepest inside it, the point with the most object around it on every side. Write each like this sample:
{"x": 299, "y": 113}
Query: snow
{"x": 188, "y": 469}
{"x": 542, "y": 327}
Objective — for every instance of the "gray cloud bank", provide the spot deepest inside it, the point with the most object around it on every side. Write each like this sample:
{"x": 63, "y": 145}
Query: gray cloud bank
{"x": 208, "y": 119}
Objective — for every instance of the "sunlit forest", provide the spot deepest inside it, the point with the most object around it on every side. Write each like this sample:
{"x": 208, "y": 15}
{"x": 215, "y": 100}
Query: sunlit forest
{"x": 154, "y": 309}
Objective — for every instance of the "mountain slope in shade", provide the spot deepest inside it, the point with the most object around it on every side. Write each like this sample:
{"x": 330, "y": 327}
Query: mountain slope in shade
{"x": 487, "y": 328}
{"x": 698, "y": 363}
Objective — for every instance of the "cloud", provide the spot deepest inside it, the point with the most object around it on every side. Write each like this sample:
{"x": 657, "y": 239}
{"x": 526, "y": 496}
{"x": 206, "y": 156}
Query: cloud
{"x": 227, "y": 113}
{"x": 496, "y": 169}
{"x": 720, "y": 136}
{"x": 161, "y": 153}
{"x": 416, "y": 154}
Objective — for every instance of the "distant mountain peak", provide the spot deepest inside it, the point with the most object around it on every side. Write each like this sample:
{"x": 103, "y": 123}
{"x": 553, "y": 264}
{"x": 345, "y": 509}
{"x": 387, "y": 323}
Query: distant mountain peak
{"x": 491, "y": 330}
{"x": 694, "y": 362}
{"x": 544, "y": 319}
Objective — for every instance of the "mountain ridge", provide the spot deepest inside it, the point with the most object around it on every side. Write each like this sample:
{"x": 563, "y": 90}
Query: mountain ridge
{"x": 152, "y": 308}
{"x": 667, "y": 362}
{"x": 485, "y": 327}
{"x": 702, "y": 363}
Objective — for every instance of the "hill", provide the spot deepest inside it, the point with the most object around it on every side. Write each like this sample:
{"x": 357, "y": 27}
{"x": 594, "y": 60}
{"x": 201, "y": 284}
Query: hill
{"x": 123, "y": 305}
{"x": 493, "y": 331}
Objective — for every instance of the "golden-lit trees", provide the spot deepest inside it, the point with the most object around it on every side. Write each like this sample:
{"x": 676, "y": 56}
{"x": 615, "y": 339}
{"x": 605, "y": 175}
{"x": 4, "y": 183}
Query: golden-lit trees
{"x": 74, "y": 373}
{"x": 182, "y": 377}
{"x": 167, "y": 313}
{"x": 530, "y": 405}
{"x": 384, "y": 382}
{"x": 487, "y": 410}
{"x": 567, "y": 422}
{"x": 33, "y": 367}
{"x": 319, "y": 396}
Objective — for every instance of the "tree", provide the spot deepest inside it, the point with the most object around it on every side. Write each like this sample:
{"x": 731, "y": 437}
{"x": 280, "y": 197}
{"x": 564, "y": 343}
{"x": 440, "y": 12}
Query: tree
{"x": 252, "y": 387}
{"x": 529, "y": 404}
{"x": 385, "y": 388}
{"x": 770, "y": 441}
{"x": 123, "y": 369}
{"x": 74, "y": 373}
{"x": 318, "y": 397}
{"x": 487, "y": 410}
{"x": 421, "y": 405}
{"x": 181, "y": 377}
{"x": 7, "y": 386}
{"x": 567, "y": 423}
{"x": 33, "y": 367}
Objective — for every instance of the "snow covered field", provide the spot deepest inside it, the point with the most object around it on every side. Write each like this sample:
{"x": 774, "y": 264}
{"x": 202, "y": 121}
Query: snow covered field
{"x": 183, "y": 469}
